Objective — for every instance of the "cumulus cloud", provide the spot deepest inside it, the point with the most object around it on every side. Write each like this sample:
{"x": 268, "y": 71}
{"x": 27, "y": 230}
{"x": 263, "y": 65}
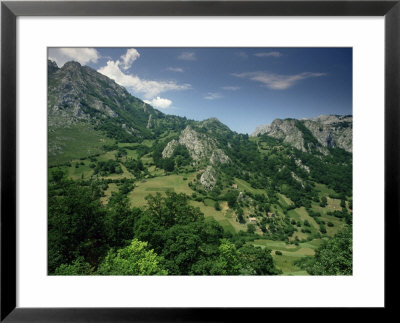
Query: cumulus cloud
{"x": 130, "y": 56}
{"x": 268, "y": 54}
{"x": 276, "y": 81}
{"x": 187, "y": 56}
{"x": 230, "y": 88}
{"x": 175, "y": 69}
{"x": 148, "y": 88}
{"x": 78, "y": 54}
{"x": 213, "y": 96}
{"x": 160, "y": 103}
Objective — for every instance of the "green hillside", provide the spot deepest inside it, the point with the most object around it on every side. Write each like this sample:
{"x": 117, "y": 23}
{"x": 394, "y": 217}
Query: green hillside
{"x": 190, "y": 197}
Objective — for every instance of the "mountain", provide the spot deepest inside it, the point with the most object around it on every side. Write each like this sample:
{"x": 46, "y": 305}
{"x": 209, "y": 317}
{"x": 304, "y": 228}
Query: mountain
{"x": 78, "y": 93}
{"x": 289, "y": 183}
{"x": 85, "y": 103}
{"x": 318, "y": 133}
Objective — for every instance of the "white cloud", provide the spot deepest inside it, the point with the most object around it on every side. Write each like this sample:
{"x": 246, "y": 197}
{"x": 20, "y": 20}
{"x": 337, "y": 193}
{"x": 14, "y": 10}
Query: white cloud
{"x": 130, "y": 56}
{"x": 160, "y": 103}
{"x": 78, "y": 54}
{"x": 175, "y": 69}
{"x": 230, "y": 88}
{"x": 213, "y": 96}
{"x": 187, "y": 56}
{"x": 268, "y": 54}
{"x": 276, "y": 81}
{"x": 148, "y": 88}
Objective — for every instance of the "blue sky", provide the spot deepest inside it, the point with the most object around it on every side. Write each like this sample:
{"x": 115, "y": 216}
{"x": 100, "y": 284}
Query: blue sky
{"x": 242, "y": 87}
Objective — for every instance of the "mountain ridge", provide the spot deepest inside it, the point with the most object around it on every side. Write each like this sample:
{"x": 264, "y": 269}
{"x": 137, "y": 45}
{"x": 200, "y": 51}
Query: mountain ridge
{"x": 330, "y": 131}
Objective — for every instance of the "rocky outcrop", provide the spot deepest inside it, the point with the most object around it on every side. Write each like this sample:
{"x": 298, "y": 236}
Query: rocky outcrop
{"x": 209, "y": 178}
{"x": 149, "y": 122}
{"x": 300, "y": 164}
{"x": 169, "y": 148}
{"x": 285, "y": 130}
{"x": 329, "y": 132}
{"x": 79, "y": 94}
{"x": 219, "y": 157}
{"x": 201, "y": 147}
{"x": 332, "y": 131}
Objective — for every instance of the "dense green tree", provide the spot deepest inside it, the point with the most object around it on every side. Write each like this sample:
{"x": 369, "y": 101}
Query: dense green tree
{"x": 75, "y": 226}
{"x": 135, "y": 259}
{"x": 334, "y": 257}
{"x": 240, "y": 215}
{"x": 77, "y": 268}
{"x": 120, "y": 220}
{"x": 324, "y": 201}
{"x": 231, "y": 196}
{"x": 228, "y": 261}
{"x": 251, "y": 228}
{"x": 257, "y": 261}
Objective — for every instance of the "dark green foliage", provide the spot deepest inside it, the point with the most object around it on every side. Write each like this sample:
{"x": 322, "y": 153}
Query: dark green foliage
{"x": 75, "y": 225}
{"x": 324, "y": 201}
{"x": 109, "y": 148}
{"x": 231, "y": 196}
{"x": 78, "y": 268}
{"x": 56, "y": 175}
{"x": 121, "y": 152}
{"x": 181, "y": 156}
{"x": 135, "y": 166}
{"x": 120, "y": 220}
{"x": 240, "y": 213}
{"x": 278, "y": 253}
{"x": 104, "y": 168}
{"x": 334, "y": 257}
{"x": 251, "y": 228}
{"x": 257, "y": 261}
{"x": 126, "y": 187}
{"x": 168, "y": 164}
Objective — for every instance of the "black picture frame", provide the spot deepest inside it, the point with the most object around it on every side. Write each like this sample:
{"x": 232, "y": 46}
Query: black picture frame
{"x": 10, "y": 10}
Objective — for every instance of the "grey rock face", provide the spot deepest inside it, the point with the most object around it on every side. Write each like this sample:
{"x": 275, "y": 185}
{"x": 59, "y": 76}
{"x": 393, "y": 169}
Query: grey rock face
{"x": 209, "y": 178}
{"x": 75, "y": 92}
{"x": 149, "y": 122}
{"x": 169, "y": 149}
{"x": 219, "y": 157}
{"x": 300, "y": 164}
{"x": 330, "y": 131}
{"x": 201, "y": 147}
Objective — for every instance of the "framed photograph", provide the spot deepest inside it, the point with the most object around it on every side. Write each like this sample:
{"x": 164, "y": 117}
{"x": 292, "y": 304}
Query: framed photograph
{"x": 182, "y": 160}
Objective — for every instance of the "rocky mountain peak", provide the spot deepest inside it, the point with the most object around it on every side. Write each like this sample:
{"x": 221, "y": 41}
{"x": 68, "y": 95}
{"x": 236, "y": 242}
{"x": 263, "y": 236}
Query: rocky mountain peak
{"x": 201, "y": 147}
{"x": 322, "y": 132}
{"x": 51, "y": 66}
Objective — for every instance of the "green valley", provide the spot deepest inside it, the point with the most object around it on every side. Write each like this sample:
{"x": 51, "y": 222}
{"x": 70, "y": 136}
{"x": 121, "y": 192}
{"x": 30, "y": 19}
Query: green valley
{"x": 133, "y": 191}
